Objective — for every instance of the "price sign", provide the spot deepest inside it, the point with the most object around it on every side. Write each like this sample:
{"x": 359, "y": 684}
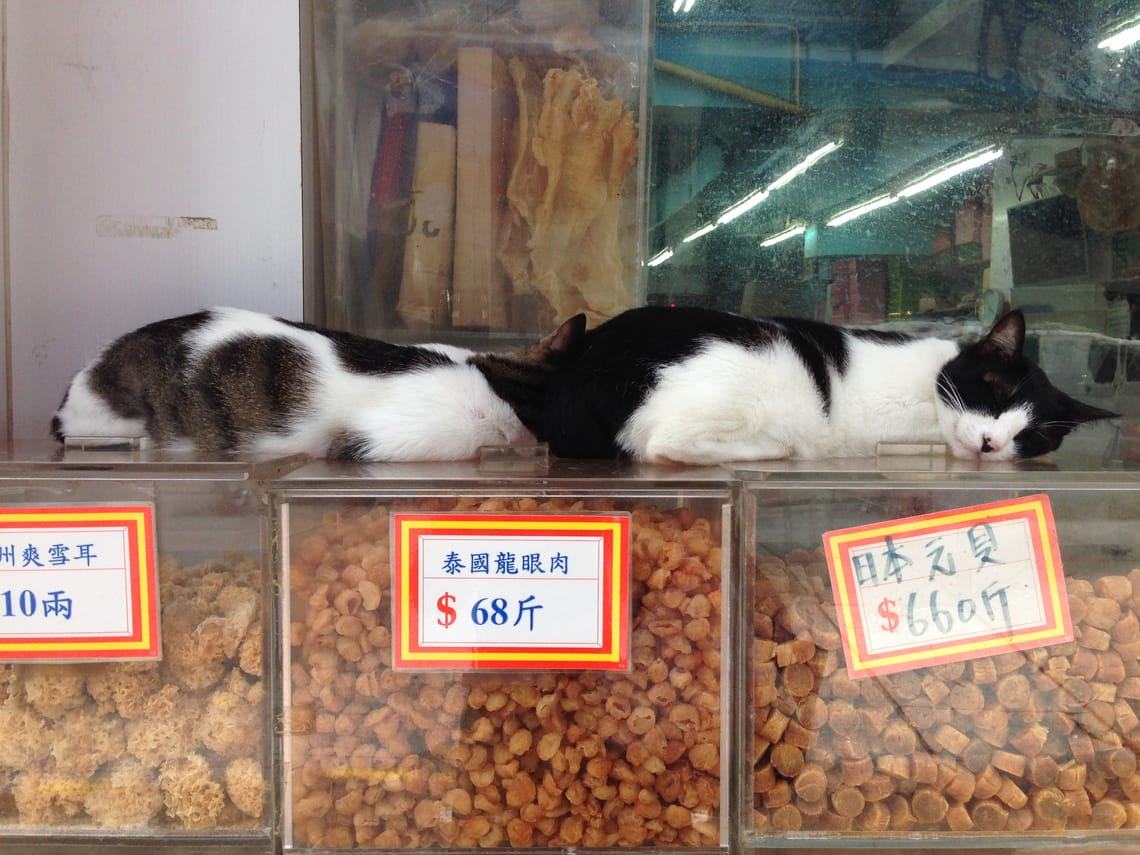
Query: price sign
{"x": 491, "y": 591}
{"x": 78, "y": 583}
{"x": 949, "y": 586}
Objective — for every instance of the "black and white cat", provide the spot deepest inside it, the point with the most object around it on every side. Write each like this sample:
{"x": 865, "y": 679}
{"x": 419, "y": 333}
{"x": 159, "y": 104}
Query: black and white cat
{"x": 226, "y": 379}
{"x": 691, "y": 385}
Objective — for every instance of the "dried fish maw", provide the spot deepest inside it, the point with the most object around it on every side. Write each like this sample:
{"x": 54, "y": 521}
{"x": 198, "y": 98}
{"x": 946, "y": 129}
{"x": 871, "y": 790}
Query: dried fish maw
{"x": 565, "y": 195}
{"x": 528, "y": 180}
{"x": 580, "y": 140}
{"x": 525, "y": 187}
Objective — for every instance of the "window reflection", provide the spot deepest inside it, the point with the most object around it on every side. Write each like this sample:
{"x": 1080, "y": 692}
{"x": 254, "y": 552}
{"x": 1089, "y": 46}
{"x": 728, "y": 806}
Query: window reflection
{"x": 895, "y": 143}
{"x": 904, "y": 162}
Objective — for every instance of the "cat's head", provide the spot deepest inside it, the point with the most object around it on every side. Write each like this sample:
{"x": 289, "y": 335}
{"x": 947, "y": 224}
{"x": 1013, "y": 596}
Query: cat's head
{"x": 520, "y": 377}
{"x": 996, "y": 404}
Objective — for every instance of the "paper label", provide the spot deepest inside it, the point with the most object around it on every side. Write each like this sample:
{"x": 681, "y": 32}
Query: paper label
{"x": 78, "y": 583}
{"x": 948, "y": 586}
{"x": 487, "y": 591}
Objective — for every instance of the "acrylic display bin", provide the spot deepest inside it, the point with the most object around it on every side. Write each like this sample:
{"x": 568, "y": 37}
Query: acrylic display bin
{"x": 133, "y": 753}
{"x": 561, "y": 752}
{"x": 480, "y": 166}
{"x": 909, "y": 681}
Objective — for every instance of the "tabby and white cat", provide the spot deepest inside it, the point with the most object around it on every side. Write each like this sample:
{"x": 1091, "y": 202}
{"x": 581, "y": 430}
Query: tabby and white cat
{"x": 691, "y": 385}
{"x": 226, "y": 380}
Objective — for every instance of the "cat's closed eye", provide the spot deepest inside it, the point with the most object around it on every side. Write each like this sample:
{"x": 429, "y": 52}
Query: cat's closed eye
{"x": 999, "y": 385}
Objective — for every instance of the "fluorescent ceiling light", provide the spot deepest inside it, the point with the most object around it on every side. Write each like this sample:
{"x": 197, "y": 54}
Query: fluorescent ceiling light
{"x": 742, "y": 207}
{"x": 701, "y": 232}
{"x": 967, "y": 163}
{"x": 786, "y": 234}
{"x": 1119, "y": 41}
{"x": 760, "y": 194}
{"x": 859, "y": 210}
{"x": 804, "y": 165}
{"x": 688, "y": 5}
{"x": 682, "y": 5}
{"x": 661, "y": 257}
{"x": 946, "y": 173}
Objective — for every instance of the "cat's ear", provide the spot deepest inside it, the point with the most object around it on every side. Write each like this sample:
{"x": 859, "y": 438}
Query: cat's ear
{"x": 566, "y": 336}
{"x": 1081, "y": 412}
{"x": 1007, "y": 337}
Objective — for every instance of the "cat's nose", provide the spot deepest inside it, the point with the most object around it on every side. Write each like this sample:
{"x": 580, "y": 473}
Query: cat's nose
{"x": 987, "y": 446}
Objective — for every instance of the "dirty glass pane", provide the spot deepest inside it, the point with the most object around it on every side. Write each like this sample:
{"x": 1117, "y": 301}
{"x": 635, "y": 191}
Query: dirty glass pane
{"x": 905, "y": 161}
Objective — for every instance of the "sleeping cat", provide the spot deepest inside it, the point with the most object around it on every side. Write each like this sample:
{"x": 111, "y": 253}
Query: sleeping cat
{"x": 691, "y": 385}
{"x": 227, "y": 380}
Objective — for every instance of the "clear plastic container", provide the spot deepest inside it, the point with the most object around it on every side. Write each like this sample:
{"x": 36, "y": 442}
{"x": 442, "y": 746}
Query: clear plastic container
{"x": 921, "y": 706}
{"x": 480, "y": 165}
{"x": 140, "y": 754}
{"x": 383, "y": 756}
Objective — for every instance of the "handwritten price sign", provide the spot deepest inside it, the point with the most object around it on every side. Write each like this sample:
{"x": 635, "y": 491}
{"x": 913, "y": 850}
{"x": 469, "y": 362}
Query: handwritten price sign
{"x": 78, "y": 583}
{"x": 490, "y": 611}
{"x": 950, "y": 586}
{"x": 499, "y": 591}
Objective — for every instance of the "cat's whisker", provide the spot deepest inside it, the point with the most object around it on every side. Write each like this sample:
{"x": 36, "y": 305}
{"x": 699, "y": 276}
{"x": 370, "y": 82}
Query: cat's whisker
{"x": 952, "y": 396}
{"x": 960, "y": 403}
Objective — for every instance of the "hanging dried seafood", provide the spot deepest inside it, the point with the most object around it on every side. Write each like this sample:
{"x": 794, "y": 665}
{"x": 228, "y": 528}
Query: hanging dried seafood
{"x": 561, "y": 244}
{"x": 503, "y": 191}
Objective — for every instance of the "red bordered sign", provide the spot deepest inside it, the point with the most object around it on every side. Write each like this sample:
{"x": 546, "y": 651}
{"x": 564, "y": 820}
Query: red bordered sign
{"x": 489, "y": 591}
{"x": 949, "y": 586}
{"x": 78, "y": 583}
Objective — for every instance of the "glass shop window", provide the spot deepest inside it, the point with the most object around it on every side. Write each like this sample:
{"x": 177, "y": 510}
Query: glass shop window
{"x": 921, "y": 165}
{"x": 488, "y": 168}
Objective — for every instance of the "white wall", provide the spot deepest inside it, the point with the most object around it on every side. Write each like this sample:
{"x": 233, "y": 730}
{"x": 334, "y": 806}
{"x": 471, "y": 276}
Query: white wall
{"x": 128, "y": 120}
